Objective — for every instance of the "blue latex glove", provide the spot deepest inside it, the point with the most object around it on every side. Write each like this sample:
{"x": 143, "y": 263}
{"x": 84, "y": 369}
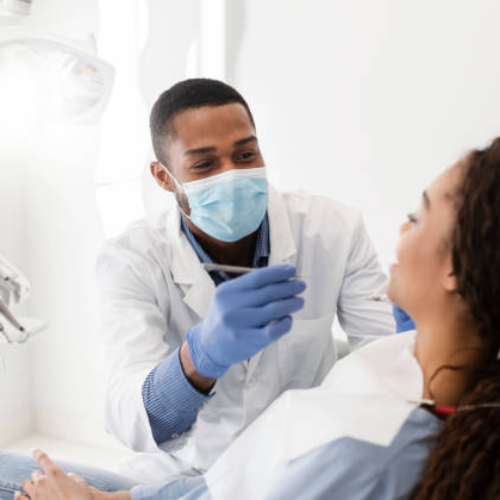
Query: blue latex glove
{"x": 404, "y": 323}
{"x": 246, "y": 314}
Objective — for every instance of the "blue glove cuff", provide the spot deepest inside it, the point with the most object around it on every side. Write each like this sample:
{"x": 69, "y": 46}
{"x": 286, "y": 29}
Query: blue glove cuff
{"x": 202, "y": 362}
{"x": 404, "y": 322}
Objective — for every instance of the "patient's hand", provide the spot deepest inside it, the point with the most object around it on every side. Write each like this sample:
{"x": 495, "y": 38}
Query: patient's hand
{"x": 54, "y": 484}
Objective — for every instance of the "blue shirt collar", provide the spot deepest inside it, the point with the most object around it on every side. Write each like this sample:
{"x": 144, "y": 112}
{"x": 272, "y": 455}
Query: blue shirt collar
{"x": 260, "y": 258}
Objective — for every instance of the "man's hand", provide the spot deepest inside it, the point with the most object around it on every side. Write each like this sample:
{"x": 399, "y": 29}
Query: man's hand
{"x": 54, "y": 484}
{"x": 246, "y": 315}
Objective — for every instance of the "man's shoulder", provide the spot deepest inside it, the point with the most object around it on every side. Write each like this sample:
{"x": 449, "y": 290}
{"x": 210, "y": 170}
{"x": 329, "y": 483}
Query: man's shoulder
{"x": 316, "y": 209}
{"x": 142, "y": 234}
{"x": 303, "y": 201}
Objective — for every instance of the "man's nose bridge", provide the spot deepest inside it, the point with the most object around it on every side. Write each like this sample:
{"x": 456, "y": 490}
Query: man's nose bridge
{"x": 227, "y": 163}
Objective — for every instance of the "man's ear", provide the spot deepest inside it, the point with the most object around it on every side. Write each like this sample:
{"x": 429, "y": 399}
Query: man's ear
{"x": 162, "y": 178}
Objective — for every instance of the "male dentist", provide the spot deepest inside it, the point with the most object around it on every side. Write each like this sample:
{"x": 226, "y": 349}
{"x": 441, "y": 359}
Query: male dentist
{"x": 195, "y": 356}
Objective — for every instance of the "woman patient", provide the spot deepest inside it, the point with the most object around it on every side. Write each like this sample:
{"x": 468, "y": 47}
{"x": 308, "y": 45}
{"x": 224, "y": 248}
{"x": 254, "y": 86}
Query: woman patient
{"x": 415, "y": 415}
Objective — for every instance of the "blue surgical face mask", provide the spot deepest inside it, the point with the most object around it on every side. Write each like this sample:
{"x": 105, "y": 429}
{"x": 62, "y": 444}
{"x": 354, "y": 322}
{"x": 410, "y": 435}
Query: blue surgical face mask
{"x": 227, "y": 206}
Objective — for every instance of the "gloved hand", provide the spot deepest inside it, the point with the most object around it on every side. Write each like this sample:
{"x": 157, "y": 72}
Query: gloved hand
{"x": 247, "y": 314}
{"x": 404, "y": 323}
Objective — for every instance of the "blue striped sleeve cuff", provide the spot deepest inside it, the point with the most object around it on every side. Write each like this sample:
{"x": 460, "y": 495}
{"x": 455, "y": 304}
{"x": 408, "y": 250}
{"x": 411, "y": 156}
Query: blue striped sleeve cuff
{"x": 171, "y": 402}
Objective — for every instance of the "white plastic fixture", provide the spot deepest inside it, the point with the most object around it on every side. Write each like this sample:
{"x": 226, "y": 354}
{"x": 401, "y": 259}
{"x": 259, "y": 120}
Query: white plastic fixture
{"x": 18, "y": 7}
{"x": 15, "y": 288}
{"x": 45, "y": 81}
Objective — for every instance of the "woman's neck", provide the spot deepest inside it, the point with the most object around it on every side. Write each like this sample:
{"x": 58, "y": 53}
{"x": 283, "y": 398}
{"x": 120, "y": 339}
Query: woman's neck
{"x": 449, "y": 351}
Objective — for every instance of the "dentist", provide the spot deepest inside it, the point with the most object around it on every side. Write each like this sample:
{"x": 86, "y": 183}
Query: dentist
{"x": 194, "y": 357}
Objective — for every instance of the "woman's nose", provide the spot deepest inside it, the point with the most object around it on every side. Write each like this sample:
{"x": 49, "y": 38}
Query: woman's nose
{"x": 404, "y": 227}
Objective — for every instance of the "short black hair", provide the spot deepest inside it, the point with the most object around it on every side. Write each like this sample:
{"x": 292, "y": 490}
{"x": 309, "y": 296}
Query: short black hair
{"x": 188, "y": 94}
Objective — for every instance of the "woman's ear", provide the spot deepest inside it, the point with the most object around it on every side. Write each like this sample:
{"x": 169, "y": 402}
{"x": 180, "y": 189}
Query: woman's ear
{"x": 450, "y": 282}
{"x": 162, "y": 178}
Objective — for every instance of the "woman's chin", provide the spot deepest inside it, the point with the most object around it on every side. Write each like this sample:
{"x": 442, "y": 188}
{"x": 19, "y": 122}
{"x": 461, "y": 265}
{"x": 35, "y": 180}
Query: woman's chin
{"x": 393, "y": 268}
{"x": 391, "y": 293}
{"x": 391, "y": 287}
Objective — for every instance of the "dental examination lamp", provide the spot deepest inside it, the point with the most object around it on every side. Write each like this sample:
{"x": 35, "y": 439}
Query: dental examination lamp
{"x": 65, "y": 85}
{"x": 15, "y": 288}
{"x": 53, "y": 80}
{"x": 15, "y": 7}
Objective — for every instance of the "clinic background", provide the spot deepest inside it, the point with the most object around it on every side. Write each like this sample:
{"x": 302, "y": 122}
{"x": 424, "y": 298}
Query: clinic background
{"x": 364, "y": 101}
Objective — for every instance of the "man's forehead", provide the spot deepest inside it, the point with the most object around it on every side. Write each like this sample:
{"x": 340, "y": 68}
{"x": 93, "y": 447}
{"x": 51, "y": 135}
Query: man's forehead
{"x": 208, "y": 125}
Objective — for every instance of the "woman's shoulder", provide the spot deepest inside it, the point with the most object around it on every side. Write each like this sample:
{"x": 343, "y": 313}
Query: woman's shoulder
{"x": 359, "y": 470}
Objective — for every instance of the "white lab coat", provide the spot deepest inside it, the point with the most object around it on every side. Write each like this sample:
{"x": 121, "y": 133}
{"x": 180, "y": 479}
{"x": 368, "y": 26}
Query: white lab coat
{"x": 154, "y": 289}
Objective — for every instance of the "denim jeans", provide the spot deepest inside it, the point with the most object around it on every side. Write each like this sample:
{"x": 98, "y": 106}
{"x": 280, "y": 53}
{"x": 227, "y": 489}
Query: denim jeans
{"x": 15, "y": 468}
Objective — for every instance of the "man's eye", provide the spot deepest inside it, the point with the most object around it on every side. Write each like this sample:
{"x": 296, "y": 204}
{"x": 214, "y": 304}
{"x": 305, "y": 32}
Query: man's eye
{"x": 247, "y": 155}
{"x": 205, "y": 164}
{"x": 412, "y": 218}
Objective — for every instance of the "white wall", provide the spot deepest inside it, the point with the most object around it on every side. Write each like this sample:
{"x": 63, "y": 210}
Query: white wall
{"x": 51, "y": 228}
{"x": 16, "y": 416}
{"x": 66, "y": 187}
{"x": 64, "y": 233}
{"x": 365, "y": 100}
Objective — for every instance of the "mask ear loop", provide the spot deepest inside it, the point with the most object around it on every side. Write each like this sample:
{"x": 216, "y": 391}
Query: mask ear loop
{"x": 178, "y": 189}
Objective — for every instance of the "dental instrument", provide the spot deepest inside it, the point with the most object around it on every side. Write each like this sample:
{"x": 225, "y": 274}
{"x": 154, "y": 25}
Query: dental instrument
{"x": 233, "y": 269}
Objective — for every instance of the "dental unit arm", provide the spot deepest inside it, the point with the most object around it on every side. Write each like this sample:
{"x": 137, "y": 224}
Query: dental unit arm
{"x": 15, "y": 288}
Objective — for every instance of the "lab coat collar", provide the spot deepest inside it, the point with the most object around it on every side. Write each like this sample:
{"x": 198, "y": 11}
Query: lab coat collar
{"x": 186, "y": 267}
{"x": 283, "y": 248}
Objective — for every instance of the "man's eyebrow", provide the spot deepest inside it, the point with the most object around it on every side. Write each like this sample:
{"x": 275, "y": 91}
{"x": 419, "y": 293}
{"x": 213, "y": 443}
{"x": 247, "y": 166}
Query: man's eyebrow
{"x": 427, "y": 201}
{"x": 241, "y": 142}
{"x": 213, "y": 149}
{"x": 200, "y": 151}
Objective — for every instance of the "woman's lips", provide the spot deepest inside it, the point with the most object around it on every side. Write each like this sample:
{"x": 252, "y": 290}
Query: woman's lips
{"x": 393, "y": 267}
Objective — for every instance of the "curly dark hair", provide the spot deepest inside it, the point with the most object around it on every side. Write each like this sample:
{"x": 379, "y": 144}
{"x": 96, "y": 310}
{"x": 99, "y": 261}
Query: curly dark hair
{"x": 465, "y": 461}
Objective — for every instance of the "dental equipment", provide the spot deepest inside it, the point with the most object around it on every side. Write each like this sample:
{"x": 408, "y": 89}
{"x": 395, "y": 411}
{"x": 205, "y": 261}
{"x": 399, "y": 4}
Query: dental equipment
{"x": 14, "y": 288}
{"x": 233, "y": 269}
{"x": 17, "y": 7}
{"x": 67, "y": 85}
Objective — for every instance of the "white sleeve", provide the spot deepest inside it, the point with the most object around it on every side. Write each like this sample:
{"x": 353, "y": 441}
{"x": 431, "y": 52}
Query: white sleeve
{"x": 362, "y": 318}
{"x": 133, "y": 333}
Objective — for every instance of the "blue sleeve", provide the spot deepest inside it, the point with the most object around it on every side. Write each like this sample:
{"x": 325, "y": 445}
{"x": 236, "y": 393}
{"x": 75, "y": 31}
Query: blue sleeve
{"x": 186, "y": 488}
{"x": 358, "y": 470}
{"x": 336, "y": 470}
{"x": 171, "y": 402}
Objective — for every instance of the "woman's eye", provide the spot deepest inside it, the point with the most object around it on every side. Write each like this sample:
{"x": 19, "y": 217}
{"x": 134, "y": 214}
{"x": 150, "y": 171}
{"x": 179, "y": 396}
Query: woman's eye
{"x": 412, "y": 218}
